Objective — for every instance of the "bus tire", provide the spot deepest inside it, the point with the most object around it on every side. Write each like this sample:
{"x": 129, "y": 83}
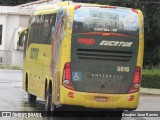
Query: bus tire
{"x": 31, "y": 98}
{"x": 26, "y": 83}
{"x": 49, "y": 107}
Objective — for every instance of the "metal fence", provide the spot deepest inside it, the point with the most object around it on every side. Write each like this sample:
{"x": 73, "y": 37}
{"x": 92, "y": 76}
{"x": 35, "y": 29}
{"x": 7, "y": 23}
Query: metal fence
{"x": 5, "y": 57}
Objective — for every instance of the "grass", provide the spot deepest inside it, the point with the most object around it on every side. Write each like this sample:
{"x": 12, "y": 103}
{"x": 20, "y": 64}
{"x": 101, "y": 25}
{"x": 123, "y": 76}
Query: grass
{"x": 10, "y": 67}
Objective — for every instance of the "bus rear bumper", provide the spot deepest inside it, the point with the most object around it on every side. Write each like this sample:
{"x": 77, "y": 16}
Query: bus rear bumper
{"x": 97, "y": 100}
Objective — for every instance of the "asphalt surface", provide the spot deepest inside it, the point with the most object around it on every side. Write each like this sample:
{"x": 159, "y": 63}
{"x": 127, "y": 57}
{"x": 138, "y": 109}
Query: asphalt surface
{"x": 13, "y": 98}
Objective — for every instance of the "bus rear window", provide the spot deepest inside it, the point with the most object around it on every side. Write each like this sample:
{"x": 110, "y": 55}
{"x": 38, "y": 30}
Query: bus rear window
{"x": 97, "y": 19}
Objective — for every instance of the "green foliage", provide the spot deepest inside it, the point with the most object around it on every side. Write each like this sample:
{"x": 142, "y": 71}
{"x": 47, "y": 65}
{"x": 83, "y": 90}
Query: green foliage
{"x": 11, "y": 67}
{"x": 152, "y": 35}
{"x": 14, "y": 2}
{"x": 151, "y": 78}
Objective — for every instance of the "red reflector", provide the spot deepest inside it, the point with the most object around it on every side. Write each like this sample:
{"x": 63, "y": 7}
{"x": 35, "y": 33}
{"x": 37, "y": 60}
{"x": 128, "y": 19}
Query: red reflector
{"x": 71, "y": 94}
{"x": 87, "y": 41}
{"x": 134, "y": 10}
{"x": 131, "y": 98}
{"x": 77, "y": 7}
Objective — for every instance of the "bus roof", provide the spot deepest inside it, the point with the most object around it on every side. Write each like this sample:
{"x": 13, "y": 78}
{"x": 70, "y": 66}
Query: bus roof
{"x": 52, "y": 8}
{"x": 56, "y": 6}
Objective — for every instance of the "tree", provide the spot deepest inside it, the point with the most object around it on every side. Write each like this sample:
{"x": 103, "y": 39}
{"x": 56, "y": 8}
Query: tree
{"x": 14, "y": 2}
{"x": 152, "y": 34}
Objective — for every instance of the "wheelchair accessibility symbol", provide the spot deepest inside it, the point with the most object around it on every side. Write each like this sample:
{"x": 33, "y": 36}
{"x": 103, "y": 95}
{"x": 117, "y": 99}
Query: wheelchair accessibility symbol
{"x": 76, "y": 76}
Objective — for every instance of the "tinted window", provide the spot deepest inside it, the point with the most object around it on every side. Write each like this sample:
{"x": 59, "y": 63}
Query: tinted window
{"x": 97, "y": 19}
{"x": 40, "y": 31}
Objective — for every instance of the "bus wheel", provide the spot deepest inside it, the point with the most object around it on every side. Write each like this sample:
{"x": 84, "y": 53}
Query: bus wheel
{"x": 31, "y": 98}
{"x": 49, "y": 107}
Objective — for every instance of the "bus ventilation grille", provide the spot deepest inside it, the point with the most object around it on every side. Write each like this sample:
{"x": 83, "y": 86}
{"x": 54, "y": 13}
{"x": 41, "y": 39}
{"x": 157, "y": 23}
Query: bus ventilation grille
{"x": 104, "y": 55}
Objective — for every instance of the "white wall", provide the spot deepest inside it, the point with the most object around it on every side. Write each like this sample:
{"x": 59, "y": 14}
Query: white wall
{"x": 12, "y": 24}
{"x": 17, "y": 55}
{"x": 4, "y": 54}
{"x": 23, "y": 20}
{"x": 3, "y": 21}
{"x": 13, "y": 18}
{"x": 17, "y": 58}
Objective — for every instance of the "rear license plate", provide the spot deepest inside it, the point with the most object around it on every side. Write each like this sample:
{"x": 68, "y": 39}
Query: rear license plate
{"x": 101, "y": 99}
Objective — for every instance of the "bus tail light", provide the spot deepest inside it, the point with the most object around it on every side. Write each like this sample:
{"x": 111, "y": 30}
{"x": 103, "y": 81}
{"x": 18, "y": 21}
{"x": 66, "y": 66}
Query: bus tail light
{"x": 77, "y": 7}
{"x": 137, "y": 79}
{"x": 67, "y": 82}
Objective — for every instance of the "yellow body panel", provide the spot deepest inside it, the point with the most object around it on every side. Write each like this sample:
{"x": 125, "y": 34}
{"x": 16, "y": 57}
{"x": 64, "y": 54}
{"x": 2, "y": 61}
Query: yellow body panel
{"x": 115, "y": 101}
{"x": 39, "y": 70}
{"x": 45, "y": 12}
{"x": 141, "y": 40}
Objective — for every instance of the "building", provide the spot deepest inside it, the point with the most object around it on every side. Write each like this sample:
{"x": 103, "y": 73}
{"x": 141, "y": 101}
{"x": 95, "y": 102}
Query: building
{"x": 12, "y": 20}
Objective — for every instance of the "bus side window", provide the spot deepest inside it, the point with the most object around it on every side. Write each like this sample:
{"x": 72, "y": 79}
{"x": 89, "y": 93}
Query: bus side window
{"x": 47, "y": 19}
{"x": 42, "y": 28}
{"x": 32, "y": 30}
{"x": 46, "y": 26}
{"x": 22, "y": 42}
{"x": 39, "y": 29}
{"x": 53, "y": 20}
{"x": 25, "y": 43}
{"x": 22, "y": 38}
{"x": 42, "y": 18}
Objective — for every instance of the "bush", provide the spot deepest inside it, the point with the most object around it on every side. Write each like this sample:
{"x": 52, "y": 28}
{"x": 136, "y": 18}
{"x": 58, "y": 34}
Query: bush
{"x": 151, "y": 79}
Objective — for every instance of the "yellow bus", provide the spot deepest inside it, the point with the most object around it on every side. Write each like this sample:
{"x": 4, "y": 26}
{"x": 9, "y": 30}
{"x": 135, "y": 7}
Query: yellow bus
{"x": 84, "y": 55}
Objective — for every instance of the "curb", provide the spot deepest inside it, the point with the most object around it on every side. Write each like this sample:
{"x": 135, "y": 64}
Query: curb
{"x": 150, "y": 91}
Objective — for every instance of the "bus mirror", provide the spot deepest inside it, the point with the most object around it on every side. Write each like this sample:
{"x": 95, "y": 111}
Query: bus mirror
{"x": 22, "y": 37}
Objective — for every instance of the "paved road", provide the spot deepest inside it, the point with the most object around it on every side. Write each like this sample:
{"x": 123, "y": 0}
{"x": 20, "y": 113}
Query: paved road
{"x": 13, "y": 98}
